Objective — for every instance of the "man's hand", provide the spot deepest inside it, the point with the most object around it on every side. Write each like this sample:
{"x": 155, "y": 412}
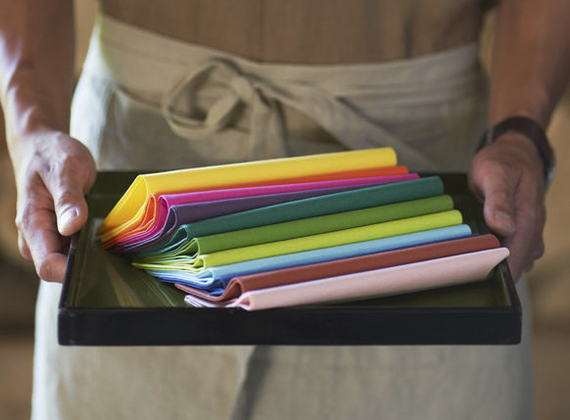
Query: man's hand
{"x": 508, "y": 176}
{"x": 52, "y": 177}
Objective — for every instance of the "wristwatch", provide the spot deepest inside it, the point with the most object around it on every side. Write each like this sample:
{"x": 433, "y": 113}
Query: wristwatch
{"x": 530, "y": 129}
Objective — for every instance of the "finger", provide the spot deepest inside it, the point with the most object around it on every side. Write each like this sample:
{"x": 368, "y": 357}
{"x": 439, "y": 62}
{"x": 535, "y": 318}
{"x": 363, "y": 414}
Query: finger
{"x": 540, "y": 247}
{"x": 37, "y": 224}
{"x": 528, "y": 267}
{"x": 23, "y": 247}
{"x": 518, "y": 258}
{"x": 497, "y": 190}
{"x": 526, "y": 243}
{"x": 46, "y": 248}
{"x": 67, "y": 189}
{"x": 538, "y": 250}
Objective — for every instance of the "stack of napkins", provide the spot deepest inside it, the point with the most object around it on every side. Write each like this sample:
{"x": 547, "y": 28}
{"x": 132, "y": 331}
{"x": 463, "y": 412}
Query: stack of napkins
{"x": 323, "y": 228}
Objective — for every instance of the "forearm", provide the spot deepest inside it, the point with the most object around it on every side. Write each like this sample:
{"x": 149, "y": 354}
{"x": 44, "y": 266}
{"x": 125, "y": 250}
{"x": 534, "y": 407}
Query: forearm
{"x": 531, "y": 59}
{"x": 53, "y": 170}
{"x": 529, "y": 71}
{"x": 36, "y": 67}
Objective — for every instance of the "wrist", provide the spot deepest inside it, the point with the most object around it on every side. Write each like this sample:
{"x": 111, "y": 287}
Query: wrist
{"x": 50, "y": 152}
{"x": 531, "y": 132}
{"x": 29, "y": 107}
{"x": 26, "y": 132}
{"x": 33, "y": 142}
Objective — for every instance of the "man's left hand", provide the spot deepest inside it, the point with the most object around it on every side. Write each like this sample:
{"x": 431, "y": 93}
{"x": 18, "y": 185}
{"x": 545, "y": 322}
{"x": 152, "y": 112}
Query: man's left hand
{"x": 508, "y": 176}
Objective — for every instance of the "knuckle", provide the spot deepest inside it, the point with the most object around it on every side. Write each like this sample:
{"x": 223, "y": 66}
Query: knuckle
{"x": 482, "y": 167}
{"x": 25, "y": 254}
{"x": 539, "y": 249}
{"x": 64, "y": 198}
{"x": 73, "y": 162}
{"x": 498, "y": 201}
{"x": 23, "y": 247}
{"x": 25, "y": 217}
{"x": 72, "y": 173}
{"x": 19, "y": 222}
{"x": 500, "y": 196}
{"x": 493, "y": 165}
{"x": 68, "y": 165}
{"x": 533, "y": 217}
{"x": 539, "y": 253}
{"x": 44, "y": 270}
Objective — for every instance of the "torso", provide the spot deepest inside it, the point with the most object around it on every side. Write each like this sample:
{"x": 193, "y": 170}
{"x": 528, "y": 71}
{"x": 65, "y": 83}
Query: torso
{"x": 309, "y": 31}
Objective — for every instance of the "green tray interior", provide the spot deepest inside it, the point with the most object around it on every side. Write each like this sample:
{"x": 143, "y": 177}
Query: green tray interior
{"x": 100, "y": 279}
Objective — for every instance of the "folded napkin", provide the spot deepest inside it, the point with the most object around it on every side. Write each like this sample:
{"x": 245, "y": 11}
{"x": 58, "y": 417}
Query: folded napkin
{"x": 398, "y": 279}
{"x": 242, "y": 284}
{"x": 215, "y": 279}
{"x": 130, "y": 209}
{"x": 311, "y": 226}
{"x": 173, "y": 210}
{"x": 214, "y": 195}
{"x": 281, "y": 232}
{"x": 324, "y": 240}
{"x": 331, "y": 176}
{"x": 361, "y": 198}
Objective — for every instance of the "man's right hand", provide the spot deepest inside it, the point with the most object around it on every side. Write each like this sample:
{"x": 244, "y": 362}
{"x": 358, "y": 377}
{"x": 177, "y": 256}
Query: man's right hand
{"x": 52, "y": 177}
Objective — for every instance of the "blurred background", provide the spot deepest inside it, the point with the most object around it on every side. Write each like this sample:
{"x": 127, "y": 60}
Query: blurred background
{"x": 549, "y": 281}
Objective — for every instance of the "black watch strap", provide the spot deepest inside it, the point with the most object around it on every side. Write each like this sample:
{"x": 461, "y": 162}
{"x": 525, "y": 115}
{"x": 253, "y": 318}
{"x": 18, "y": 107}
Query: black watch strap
{"x": 530, "y": 129}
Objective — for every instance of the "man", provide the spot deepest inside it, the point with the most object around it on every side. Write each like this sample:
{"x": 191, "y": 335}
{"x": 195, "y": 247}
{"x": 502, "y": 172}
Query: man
{"x": 529, "y": 70}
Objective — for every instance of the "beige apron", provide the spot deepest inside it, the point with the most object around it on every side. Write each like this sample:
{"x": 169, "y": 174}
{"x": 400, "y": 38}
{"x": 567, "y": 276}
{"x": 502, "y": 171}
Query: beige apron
{"x": 148, "y": 102}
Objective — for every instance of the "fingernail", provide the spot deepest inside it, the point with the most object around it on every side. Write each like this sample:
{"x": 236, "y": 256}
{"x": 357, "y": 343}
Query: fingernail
{"x": 506, "y": 220}
{"x": 67, "y": 217}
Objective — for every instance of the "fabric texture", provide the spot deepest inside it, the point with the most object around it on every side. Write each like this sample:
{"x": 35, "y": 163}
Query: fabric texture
{"x": 430, "y": 109}
{"x": 368, "y": 31}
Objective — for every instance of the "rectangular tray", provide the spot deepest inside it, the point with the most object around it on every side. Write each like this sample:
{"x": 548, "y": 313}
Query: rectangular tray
{"x": 106, "y": 301}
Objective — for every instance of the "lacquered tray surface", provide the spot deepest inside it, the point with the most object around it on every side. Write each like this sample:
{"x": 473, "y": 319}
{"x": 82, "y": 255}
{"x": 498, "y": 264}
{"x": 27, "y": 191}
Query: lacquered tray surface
{"x": 106, "y": 301}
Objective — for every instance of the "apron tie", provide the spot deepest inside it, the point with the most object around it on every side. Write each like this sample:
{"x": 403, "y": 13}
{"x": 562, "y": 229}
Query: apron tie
{"x": 217, "y": 117}
{"x": 267, "y": 138}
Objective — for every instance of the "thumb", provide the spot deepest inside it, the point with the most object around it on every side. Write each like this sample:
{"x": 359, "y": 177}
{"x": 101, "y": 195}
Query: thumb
{"x": 69, "y": 202}
{"x": 71, "y": 212}
{"x": 497, "y": 190}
